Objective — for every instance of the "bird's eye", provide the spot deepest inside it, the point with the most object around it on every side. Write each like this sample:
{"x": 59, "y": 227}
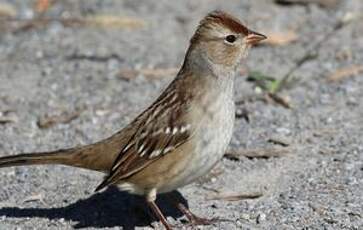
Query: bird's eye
{"x": 230, "y": 38}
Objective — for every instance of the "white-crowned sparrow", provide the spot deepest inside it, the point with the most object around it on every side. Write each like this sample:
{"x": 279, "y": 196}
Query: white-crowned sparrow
{"x": 184, "y": 133}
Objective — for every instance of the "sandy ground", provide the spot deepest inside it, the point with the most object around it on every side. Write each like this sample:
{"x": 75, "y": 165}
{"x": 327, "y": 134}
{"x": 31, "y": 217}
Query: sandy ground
{"x": 57, "y": 70}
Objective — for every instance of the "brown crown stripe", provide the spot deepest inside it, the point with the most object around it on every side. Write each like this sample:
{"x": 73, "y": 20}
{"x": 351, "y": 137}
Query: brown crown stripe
{"x": 227, "y": 20}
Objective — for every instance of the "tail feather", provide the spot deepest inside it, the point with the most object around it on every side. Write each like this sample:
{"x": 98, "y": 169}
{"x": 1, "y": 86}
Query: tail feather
{"x": 61, "y": 156}
{"x": 98, "y": 156}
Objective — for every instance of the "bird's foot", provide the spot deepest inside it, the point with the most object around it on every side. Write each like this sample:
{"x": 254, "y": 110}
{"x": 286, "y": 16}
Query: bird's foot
{"x": 195, "y": 220}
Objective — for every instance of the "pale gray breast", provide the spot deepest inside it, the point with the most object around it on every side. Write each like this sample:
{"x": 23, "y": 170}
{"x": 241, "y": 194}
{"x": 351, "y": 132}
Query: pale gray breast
{"x": 220, "y": 125}
{"x": 211, "y": 137}
{"x": 215, "y": 131}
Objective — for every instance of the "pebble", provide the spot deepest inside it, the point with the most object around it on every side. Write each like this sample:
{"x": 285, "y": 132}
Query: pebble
{"x": 62, "y": 221}
{"x": 245, "y": 216}
{"x": 261, "y": 217}
{"x": 284, "y": 131}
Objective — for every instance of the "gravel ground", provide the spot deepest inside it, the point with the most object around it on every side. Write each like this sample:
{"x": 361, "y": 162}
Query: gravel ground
{"x": 57, "y": 70}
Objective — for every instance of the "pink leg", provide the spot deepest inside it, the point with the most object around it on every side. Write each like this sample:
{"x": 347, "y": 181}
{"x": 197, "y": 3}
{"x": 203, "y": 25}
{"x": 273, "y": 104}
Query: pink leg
{"x": 159, "y": 214}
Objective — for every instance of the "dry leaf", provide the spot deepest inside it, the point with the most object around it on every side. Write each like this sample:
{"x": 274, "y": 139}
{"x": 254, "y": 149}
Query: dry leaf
{"x": 64, "y": 118}
{"x": 7, "y": 11}
{"x": 5, "y": 120}
{"x": 257, "y": 153}
{"x": 159, "y": 73}
{"x": 41, "y": 6}
{"x": 111, "y": 21}
{"x": 8, "y": 117}
{"x": 281, "y": 100}
{"x": 128, "y": 74}
{"x": 235, "y": 196}
{"x": 350, "y": 17}
{"x": 345, "y": 72}
{"x": 280, "y": 38}
{"x": 105, "y": 21}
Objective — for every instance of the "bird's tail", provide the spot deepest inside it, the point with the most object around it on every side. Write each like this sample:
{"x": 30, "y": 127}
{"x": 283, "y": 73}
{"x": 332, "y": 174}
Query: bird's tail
{"x": 98, "y": 156}
{"x": 56, "y": 157}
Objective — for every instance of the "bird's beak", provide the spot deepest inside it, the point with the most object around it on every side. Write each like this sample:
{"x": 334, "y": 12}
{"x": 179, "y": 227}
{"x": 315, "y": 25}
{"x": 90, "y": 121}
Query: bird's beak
{"x": 254, "y": 37}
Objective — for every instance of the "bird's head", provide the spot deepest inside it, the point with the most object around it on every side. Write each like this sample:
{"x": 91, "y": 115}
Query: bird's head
{"x": 222, "y": 40}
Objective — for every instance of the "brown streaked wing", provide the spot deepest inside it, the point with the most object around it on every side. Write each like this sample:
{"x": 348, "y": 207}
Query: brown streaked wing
{"x": 160, "y": 130}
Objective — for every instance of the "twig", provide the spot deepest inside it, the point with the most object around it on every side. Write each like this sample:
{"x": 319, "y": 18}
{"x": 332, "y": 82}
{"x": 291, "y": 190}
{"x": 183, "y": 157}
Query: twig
{"x": 323, "y": 3}
{"x": 257, "y": 153}
{"x": 235, "y": 196}
{"x": 93, "y": 58}
{"x": 278, "y": 141}
{"x": 35, "y": 197}
{"x": 48, "y": 121}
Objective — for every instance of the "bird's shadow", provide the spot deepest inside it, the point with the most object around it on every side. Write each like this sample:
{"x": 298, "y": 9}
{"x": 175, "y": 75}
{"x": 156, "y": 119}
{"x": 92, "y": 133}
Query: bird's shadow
{"x": 106, "y": 209}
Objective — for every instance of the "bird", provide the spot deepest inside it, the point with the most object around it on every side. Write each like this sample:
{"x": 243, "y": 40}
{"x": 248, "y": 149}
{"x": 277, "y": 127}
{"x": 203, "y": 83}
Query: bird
{"x": 183, "y": 134}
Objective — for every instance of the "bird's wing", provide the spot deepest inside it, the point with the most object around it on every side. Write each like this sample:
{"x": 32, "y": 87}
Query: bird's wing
{"x": 162, "y": 128}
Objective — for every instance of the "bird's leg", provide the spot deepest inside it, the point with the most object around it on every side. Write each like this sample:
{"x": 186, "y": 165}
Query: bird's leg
{"x": 159, "y": 214}
{"x": 150, "y": 199}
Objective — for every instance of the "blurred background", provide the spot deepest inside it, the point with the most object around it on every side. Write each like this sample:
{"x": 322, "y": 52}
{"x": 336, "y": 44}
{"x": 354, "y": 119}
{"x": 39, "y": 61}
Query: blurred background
{"x": 74, "y": 71}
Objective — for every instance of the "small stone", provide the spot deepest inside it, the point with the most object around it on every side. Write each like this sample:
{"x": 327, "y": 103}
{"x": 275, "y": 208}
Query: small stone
{"x": 261, "y": 217}
{"x": 352, "y": 101}
{"x": 238, "y": 223}
{"x": 62, "y": 221}
{"x": 10, "y": 173}
{"x": 245, "y": 216}
{"x": 284, "y": 131}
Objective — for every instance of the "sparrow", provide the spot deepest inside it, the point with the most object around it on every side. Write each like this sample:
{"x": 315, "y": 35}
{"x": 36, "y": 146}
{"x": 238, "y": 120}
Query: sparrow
{"x": 183, "y": 134}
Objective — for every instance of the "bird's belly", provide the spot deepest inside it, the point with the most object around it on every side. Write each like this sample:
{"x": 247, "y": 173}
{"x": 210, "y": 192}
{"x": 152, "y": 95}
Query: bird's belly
{"x": 215, "y": 136}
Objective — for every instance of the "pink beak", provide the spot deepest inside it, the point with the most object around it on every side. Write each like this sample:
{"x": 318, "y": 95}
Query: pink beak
{"x": 254, "y": 37}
